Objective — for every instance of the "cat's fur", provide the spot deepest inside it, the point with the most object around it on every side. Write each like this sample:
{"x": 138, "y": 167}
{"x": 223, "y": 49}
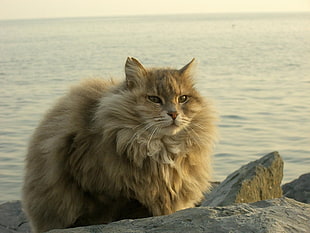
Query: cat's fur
{"x": 108, "y": 151}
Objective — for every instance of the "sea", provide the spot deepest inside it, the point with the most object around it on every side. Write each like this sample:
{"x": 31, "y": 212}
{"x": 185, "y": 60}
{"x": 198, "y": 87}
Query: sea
{"x": 254, "y": 67}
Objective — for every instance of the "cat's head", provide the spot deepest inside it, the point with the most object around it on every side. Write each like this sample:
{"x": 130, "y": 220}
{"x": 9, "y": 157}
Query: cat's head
{"x": 166, "y": 99}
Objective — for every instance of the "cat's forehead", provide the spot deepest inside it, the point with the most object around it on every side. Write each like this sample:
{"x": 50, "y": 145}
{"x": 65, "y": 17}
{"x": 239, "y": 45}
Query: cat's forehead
{"x": 168, "y": 82}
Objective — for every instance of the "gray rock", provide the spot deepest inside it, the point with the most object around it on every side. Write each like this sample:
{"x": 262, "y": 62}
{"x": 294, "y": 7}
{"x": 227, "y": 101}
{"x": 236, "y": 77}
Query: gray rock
{"x": 12, "y": 218}
{"x": 277, "y": 215}
{"x": 298, "y": 189}
{"x": 256, "y": 181}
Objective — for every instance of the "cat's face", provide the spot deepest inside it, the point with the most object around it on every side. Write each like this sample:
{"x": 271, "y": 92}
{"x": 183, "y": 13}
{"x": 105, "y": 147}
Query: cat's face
{"x": 166, "y": 98}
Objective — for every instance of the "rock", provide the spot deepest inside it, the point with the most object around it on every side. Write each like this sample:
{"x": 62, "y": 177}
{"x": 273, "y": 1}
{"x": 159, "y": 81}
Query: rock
{"x": 277, "y": 215}
{"x": 12, "y": 218}
{"x": 256, "y": 181}
{"x": 298, "y": 189}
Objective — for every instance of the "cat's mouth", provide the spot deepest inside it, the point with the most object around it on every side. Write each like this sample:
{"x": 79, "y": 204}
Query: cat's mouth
{"x": 172, "y": 127}
{"x": 176, "y": 123}
{"x": 171, "y": 123}
{"x": 166, "y": 127}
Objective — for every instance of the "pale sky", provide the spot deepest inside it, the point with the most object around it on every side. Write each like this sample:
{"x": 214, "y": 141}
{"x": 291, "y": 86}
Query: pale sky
{"x": 24, "y": 9}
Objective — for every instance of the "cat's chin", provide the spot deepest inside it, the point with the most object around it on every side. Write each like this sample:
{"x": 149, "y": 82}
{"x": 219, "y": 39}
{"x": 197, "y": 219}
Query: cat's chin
{"x": 171, "y": 130}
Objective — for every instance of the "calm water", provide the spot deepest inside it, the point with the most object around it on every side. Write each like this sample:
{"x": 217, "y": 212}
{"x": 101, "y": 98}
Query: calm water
{"x": 256, "y": 68}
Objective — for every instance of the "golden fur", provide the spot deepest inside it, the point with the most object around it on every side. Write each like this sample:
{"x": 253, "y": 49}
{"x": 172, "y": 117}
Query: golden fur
{"x": 108, "y": 151}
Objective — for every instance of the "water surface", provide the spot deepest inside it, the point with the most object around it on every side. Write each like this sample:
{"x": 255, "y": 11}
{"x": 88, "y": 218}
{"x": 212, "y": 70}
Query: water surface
{"x": 255, "y": 67}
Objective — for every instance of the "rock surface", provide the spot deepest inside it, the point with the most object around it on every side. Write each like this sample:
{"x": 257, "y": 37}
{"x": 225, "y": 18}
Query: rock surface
{"x": 256, "y": 181}
{"x": 298, "y": 189}
{"x": 253, "y": 182}
{"x": 277, "y": 215}
{"x": 12, "y": 218}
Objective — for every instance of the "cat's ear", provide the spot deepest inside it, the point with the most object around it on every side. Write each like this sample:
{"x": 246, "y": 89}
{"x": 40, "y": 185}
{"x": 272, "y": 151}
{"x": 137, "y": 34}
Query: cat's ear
{"x": 189, "y": 69}
{"x": 134, "y": 71}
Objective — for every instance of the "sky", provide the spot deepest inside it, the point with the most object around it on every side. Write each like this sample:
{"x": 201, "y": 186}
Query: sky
{"x": 26, "y": 9}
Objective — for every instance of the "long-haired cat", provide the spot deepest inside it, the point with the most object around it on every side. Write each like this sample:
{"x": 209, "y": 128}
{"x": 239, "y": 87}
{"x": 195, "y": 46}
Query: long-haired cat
{"x": 108, "y": 151}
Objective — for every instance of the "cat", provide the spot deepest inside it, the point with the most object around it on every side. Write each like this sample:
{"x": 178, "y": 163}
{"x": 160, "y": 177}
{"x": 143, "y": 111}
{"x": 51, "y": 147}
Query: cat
{"x": 112, "y": 150}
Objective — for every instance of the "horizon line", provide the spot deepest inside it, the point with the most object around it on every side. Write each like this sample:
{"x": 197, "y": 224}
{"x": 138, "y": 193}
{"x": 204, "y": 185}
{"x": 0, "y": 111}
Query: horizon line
{"x": 155, "y": 14}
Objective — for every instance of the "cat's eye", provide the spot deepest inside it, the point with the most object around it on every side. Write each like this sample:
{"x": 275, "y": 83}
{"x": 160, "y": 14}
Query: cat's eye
{"x": 182, "y": 99}
{"x": 154, "y": 99}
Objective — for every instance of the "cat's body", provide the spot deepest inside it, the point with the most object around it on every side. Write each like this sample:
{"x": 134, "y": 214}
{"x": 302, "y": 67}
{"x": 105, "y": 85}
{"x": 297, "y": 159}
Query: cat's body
{"x": 108, "y": 151}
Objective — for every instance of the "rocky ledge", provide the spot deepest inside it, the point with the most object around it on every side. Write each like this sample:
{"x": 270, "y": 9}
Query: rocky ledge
{"x": 248, "y": 200}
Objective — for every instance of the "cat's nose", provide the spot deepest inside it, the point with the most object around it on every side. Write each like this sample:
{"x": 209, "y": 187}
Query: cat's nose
{"x": 173, "y": 114}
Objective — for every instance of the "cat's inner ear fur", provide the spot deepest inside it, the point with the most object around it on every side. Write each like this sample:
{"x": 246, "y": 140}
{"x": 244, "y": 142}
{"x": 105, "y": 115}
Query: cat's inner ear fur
{"x": 134, "y": 71}
{"x": 189, "y": 69}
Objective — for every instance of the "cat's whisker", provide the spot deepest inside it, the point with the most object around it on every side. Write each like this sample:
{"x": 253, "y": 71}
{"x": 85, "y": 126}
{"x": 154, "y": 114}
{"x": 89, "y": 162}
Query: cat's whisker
{"x": 144, "y": 127}
{"x": 197, "y": 138}
{"x": 193, "y": 139}
{"x": 151, "y": 136}
{"x": 199, "y": 126}
{"x": 159, "y": 119}
{"x": 137, "y": 126}
{"x": 197, "y": 135}
{"x": 135, "y": 134}
{"x": 185, "y": 120}
{"x": 149, "y": 126}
